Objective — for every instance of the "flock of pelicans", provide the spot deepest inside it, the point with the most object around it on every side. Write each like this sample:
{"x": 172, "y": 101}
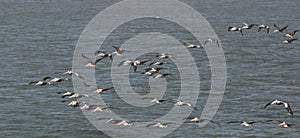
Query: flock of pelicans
{"x": 288, "y": 36}
{"x": 153, "y": 69}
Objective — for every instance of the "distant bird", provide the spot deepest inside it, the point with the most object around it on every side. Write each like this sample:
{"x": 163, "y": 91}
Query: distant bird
{"x": 278, "y": 29}
{"x": 198, "y": 120}
{"x": 158, "y": 63}
{"x": 39, "y": 83}
{"x": 264, "y": 27}
{"x": 291, "y": 34}
{"x": 285, "y": 104}
{"x": 120, "y": 122}
{"x": 247, "y": 26}
{"x": 73, "y": 103}
{"x": 103, "y": 54}
{"x": 151, "y": 71}
{"x": 159, "y": 125}
{"x": 231, "y": 28}
{"x": 87, "y": 106}
{"x": 91, "y": 63}
{"x": 161, "y": 75}
{"x": 97, "y": 89}
{"x": 164, "y": 55}
{"x": 77, "y": 95}
{"x": 243, "y": 123}
{"x": 190, "y": 45}
{"x": 118, "y": 51}
{"x": 69, "y": 72}
{"x": 65, "y": 94}
{"x": 100, "y": 109}
{"x": 181, "y": 103}
{"x": 283, "y": 123}
{"x": 288, "y": 40}
{"x": 211, "y": 41}
{"x": 133, "y": 63}
{"x": 54, "y": 79}
{"x": 158, "y": 101}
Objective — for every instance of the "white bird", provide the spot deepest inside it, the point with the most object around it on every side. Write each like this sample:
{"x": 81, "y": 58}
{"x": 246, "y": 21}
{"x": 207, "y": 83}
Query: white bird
{"x": 158, "y": 63}
{"x": 278, "y": 29}
{"x": 133, "y": 63}
{"x": 263, "y": 27}
{"x": 159, "y": 125}
{"x": 190, "y": 45}
{"x": 288, "y": 40}
{"x": 164, "y": 55}
{"x": 97, "y": 89}
{"x": 118, "y": 51}
{"x": 181, "y": 103}
{"x": 247, "y": 26}
{"x": 291, "y": 34}
{"x": 69, "y": 72}
{"x": 91, "y": 63}
{"x": 285, "y": 104}
{"x": 231, "y": 28}
{"x": 211, "y": 41}
{"x": 39, "y": 83}
{"x": 103, "y": 54}
{"x": 54, "y": 79}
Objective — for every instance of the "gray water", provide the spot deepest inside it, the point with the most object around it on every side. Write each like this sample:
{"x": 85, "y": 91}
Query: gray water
{"x": 38, "y": 39}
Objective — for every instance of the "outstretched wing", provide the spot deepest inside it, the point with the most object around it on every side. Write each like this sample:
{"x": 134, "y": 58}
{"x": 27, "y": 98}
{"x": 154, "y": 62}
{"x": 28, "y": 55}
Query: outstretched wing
{"x": 268, "y": 104}
{"x": 283, "y": 28}
{"x": 86, "y": 58}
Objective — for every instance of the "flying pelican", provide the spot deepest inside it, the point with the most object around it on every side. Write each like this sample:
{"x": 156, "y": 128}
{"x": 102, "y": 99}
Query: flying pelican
{"x": 279, "y": 30}
{"x": 263, "y": 27}
{"x": 247, "y": 26}
{"x": 211, "y": 41}
{"x": 291, "y": 34}
{"x": 91, "y": 63}
{"x": 285, "y": 104}
{"x": 69, "y": 72}
{"x": 288, "y": 41}
{"x": 231, "y": 28}
{"x": 97, "y": 89}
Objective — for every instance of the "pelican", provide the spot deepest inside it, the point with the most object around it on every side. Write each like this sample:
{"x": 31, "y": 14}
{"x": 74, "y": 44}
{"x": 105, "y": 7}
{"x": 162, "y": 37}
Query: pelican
{"x": 181, "y": 103}
{"x": 231, "y": 28}
{"x": 100, "y": 109}
{"x": 288, "y": 41}
{"x": 97, "y": 89}
{"x": 247, "y": 26}
{"x": 65, "y": 94}
{"x": 69, "y": 72}
{"x": 190, "y": 45}
{"x": 291, "y": 34}
{"x": 91, "y": 63}
{"x": 158, "y": 63}
{"x": 103, "y": 54}
{"x": 279, "y": 30}
{"x": 39, "y": 83}
{"x": 161, "y": 75}
{"x": 164, "y": 55}
{"x": 285, "y": 104}
{"x": 159, "y": 125}
{"x": 118, "y": 51}
{"x": 211, "y": 41}
{"x": 120, "y": 122}
{"x": 198, "y": 120}
{"x": 55, "y": 79}
{"x": 151, "y": 71}
{"x": 264, "y": 27}
{"x": 133, "y": 63}
{"x": 244, "y": 123}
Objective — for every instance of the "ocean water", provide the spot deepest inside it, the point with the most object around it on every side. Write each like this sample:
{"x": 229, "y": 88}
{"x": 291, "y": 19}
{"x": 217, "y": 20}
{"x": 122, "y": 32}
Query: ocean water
{"x": 38, "y": 38}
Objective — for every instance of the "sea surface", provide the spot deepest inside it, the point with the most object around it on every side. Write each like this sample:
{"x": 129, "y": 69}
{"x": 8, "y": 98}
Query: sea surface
{"x": 38, "y": 39}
